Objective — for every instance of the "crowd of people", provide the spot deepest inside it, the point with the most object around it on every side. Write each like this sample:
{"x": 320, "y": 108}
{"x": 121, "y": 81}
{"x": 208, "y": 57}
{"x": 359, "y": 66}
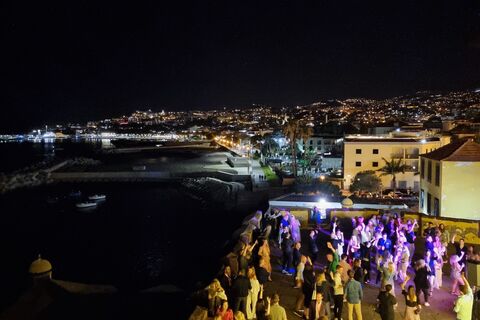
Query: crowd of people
{"x": 379, "y": 252}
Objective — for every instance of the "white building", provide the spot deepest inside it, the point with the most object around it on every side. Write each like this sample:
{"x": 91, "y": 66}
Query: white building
{"x": 322, "y": 143}
{"x": 366, "y": 152}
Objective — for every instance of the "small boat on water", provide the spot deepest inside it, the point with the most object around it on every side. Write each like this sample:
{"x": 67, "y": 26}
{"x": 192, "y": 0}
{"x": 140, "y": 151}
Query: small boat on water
{"x": 97, "y": 197}
{"x": 85, "y": 205}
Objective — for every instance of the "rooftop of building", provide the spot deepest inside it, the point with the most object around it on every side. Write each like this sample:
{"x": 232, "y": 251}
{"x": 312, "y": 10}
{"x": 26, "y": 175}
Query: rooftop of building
{"x": 402, "y": 136}
{"x": 460, "y": 150}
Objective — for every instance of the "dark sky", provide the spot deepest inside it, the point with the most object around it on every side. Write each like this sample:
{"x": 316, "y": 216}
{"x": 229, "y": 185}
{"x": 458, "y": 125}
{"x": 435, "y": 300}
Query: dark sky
{"x": 79, "y": 60}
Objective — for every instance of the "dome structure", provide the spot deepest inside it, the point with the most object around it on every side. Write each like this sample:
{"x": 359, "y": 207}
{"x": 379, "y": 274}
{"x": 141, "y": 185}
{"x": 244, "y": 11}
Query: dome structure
{"x": 40, "y": 267}
{"x": 347, "y": 203}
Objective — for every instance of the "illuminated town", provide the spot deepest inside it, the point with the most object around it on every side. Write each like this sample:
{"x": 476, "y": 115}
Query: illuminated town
{"x": 231, "y": 161}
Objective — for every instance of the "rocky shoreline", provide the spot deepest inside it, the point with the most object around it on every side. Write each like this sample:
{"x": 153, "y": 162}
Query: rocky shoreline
{"x": 39, "y": 174}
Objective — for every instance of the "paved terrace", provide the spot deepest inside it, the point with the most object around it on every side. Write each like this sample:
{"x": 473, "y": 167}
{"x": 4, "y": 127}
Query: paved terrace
{"x": 441, "y": 302}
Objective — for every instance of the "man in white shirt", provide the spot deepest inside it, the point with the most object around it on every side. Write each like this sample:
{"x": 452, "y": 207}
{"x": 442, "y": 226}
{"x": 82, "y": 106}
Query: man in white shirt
{"x": 464, "y": 304}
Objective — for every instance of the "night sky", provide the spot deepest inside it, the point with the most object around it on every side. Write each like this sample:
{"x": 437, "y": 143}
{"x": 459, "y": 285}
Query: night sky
{"x": 80, "y": 60}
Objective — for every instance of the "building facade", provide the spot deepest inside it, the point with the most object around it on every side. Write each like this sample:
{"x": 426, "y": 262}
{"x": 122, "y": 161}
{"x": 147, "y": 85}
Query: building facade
{"x": 322, "y": 143}
{"x": 449, "y": 181}
{"x": 366, "y": 152}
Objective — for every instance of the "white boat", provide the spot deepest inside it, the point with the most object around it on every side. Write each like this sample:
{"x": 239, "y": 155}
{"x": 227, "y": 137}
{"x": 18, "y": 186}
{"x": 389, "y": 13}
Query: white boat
{"x": 96, "y": 197}
{"x": 84, "y": 205}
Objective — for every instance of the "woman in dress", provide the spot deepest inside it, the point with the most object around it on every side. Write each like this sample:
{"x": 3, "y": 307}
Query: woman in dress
{"x": 354, "y": 245}
{"x": 456, "y": 274}
{"x": 264, "y": 253}
{"x": 252, "y": 293}
{"x": 412, "y": 307}
{"x": 439, "y": 262}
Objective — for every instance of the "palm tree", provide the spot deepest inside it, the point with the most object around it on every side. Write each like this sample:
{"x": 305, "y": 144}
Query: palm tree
{"x": 303, "y": 134}
{"x": 294, "y": 131}
{"x": 269, "y": 147}
{"x": 392, "y": 168}
{"x": 290, "y": 131}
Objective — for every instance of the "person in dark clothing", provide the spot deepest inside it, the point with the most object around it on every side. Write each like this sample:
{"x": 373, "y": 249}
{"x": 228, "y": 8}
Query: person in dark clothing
{"x": 240, "y": 289}
{"x": 287, "y": 249}
{"x": 262, "y": 274}
{"x": 262, "y": 311}
{"x": 312, "y": 241}
{"x": 421, "y": 280}
{"x": 430, "y": 230}
{"x": 296, "y": 254}
{"x": 366, "y": 265}
{"x": 358, "y": 271}
{"x": 384, "y": 244}
{"x": 226, "y": 282}
{"x": 308, "y": 285}
{"x": 386, "y": 302}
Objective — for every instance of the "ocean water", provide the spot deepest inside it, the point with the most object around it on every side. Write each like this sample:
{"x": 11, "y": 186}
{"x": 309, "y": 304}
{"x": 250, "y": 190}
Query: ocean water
{"x": 143, "y": 235}
{"x": 18, "y": 155}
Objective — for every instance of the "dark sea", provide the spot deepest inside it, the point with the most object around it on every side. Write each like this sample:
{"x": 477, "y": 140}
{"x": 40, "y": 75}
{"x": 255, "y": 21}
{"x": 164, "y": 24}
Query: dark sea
{"x": 144, "y": 234}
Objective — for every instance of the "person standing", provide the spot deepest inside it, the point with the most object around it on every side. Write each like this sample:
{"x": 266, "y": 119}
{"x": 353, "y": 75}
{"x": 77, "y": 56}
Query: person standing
{"x": 354, "y": 296}
{"x": 464, "y": 304}
{"x": 345, "y": 267}
{"x": 312, "y": 241}
{"x": 386, "y": 303}
{"x": 317, "y": 308}
{"x": 338, "y": 239}
{"x": 323, "y": 286}
{"x": 338, "y": 293}
{"x": 404, "y": 258}
{"x": 240, "y": 289}
{"x": 226, "y": 282}
{"x": 460, "y": 250}
{"x": 277, "y": 312}
{"x": 252, "y": 293}
{"x": 308, "y": 286}
{"x": 388, "y": 272}
{"x": 412, "y": 306}
{"x": 421, "y": 280}
{"x": 287, "y": 249}
{"x": 332, "y": 258}
{"x": 264, "y": 252}
{"x": 456, "y": 272}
